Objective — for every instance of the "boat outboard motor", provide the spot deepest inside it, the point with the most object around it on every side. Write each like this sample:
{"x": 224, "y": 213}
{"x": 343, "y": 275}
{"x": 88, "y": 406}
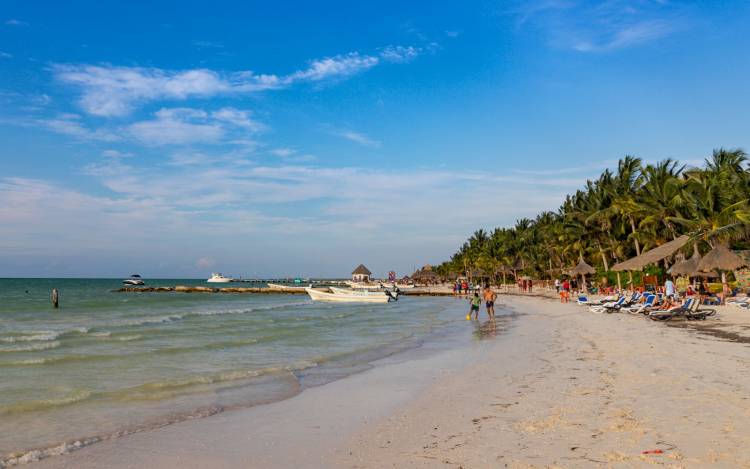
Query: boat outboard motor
{"x": 391, "y": 295}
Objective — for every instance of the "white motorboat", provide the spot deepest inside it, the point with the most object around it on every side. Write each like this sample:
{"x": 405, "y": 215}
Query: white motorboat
{"x": 362, "y": 286}
{"x": 393, "y": 286}
{"x": 134, "y": 279}
{"x": 318, "y": 295}
{"x": 344, "y": 291}
{"x": 276, "y": 286}
{"x": 218, "y": 278}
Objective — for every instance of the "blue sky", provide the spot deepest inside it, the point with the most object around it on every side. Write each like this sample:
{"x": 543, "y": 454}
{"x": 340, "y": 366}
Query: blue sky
{"x": 302, "y": 138}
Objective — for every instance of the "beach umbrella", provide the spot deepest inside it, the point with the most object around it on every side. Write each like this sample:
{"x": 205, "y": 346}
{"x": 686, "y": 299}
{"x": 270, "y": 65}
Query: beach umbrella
{"x": 582, "y": 269}
{"x": 722, "y": 259}
{"x": 652, "y": 256}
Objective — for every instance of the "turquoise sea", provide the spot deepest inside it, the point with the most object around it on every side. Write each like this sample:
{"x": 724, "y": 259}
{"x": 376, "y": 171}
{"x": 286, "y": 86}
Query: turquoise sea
{"x": 106, "y": 363}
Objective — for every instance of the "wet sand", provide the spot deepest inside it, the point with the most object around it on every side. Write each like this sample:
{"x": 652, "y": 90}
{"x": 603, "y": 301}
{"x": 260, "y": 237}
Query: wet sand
{"x": 562, "y": 388}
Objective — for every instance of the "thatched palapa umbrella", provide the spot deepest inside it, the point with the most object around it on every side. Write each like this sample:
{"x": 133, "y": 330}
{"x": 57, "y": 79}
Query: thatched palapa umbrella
{"x": 425, "y": 275}
{"x": 582, "y": 269}
{"x": 687, "y": 267}
{"x": 503, "y": 270}
{"x": 722, "y": 259}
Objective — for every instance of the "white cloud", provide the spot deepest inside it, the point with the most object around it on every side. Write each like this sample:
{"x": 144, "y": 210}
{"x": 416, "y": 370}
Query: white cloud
{"x": 181, "y": 126}
{"x": 70, "y": 124}
{"x": 283, "y": 152}
{"x": 205, "y": 262}
{"x": 238, "y": 118}
{"x": 358, "y": 137}
{"x": 5, "y": 55}
{"x": 16, "y": 22}
{"x": 177, "y": 126}
{"x": 451, "y": 33}
{"x": 116, "y": 154}
{"x": 108, "y": 90}
{"x": 602, "y": 26}
{"x": 249, "y": 213}
{"x": 340, "y": 66}
{"x": 207, "y": 44}
{"x": 399, "y": 54}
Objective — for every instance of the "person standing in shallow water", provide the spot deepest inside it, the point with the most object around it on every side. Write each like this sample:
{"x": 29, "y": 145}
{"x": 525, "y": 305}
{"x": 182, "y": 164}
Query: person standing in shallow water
{"x": 489, "y": 301}
{"x": 475, "y": 302}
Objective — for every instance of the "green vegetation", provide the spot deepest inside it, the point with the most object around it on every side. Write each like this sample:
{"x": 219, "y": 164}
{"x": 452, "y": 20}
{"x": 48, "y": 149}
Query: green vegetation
{"x": 619, "y": 215}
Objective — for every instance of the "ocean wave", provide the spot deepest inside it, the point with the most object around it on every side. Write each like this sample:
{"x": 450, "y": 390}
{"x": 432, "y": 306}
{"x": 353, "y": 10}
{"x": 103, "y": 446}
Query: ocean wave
{"x": 43, "y": 404}
{"x": 30, "y": 348}
{"x": 128, "y": 338}
{"x": 182, "y": 316}
{"x": 40, "y": 336}
{"x": 30, "y": 337}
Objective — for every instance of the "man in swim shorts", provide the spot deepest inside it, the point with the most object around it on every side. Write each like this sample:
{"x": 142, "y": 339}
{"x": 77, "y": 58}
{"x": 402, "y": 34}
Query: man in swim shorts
{"x": 489, "y": 300}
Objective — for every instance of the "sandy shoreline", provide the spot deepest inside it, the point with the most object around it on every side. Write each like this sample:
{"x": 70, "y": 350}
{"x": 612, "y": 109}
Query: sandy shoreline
{"x": 562, "y": 388}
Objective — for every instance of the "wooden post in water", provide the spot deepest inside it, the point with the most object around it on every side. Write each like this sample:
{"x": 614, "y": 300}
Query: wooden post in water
{"x": 55, "y": 298}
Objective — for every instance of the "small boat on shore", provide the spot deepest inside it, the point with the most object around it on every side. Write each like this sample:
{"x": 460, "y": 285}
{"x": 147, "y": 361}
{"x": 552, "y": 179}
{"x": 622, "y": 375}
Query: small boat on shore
{"x": 318, "y": 295}
{"x": 362, "y": 286}
{"x": 218, "y": 278}
{"x": 276, "y": 286}
{"x": 344, "y": 291}
{"x": 134, "y": 279}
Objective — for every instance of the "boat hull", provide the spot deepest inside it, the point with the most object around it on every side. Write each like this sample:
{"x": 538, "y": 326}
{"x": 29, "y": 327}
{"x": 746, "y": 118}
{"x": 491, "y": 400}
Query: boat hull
{"x": 317, "y": 295}
{"x": 276, "y": 286}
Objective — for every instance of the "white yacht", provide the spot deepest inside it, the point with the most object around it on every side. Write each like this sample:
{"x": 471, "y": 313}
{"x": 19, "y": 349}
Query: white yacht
{"x": 218, "y": 278}
{"x": 134, "y": 279}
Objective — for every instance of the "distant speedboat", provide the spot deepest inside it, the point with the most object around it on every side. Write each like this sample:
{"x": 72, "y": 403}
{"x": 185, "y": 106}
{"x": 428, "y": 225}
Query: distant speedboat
{"x": 134, "y": 279}
{"x": 218, "y": 278}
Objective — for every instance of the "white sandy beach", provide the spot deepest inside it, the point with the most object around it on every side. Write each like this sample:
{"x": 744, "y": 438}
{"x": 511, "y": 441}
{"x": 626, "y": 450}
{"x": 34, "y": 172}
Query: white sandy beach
{"x": 562, "y": 388}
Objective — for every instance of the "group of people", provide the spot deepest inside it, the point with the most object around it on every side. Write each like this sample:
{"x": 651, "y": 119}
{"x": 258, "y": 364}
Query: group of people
{"x": 489, "y": 296}
{"x": 706, "y": 296}
{"x": 525, "y": 285}
{"x": 464, "y": 287}
{"x": 564, "y": 287}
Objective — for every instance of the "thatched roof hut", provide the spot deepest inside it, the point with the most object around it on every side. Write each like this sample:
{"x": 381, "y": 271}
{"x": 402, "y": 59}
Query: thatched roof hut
{"x": 721, "y": 258}
{"x": 361, "y": 274}
{"x": 686, "y": 266}
{"x": 425, "y": 275}
{"x": 652, "y": 256}
{"x": 582, "y": 269}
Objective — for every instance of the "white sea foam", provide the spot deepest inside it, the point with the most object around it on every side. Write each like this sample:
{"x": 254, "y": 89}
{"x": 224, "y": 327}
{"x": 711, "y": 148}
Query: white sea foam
{"x": 31, "y": 337}
{"x": 31, "y": 347}
{"x": 179, "y": 317}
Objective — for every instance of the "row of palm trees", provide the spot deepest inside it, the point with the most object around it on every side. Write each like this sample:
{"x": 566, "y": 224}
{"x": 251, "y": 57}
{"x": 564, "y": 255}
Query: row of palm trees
{"x": 617, "y": 216}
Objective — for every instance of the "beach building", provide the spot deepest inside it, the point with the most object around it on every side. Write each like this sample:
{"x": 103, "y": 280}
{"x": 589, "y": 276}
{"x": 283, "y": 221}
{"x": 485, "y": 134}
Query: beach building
{"x": 361, "y": 274}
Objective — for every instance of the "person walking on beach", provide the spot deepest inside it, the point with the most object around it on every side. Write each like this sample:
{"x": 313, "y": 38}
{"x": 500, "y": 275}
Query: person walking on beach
{"x": 669, "y": 288}
{"x": 475, "y": 302}
{"x": 489, "y": 300}
{"x": 557, "y": 285}
{"x": 565, "y": 291}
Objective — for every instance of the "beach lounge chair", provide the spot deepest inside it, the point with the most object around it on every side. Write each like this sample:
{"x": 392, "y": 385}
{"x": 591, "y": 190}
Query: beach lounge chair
{"x": 696, "y": 312}
{"x": 634, "y": 299}
{"x": 583, "y": 300}
{"x": 683, "y": 310}
{"x": 643, "y": 308}
{"x": 610, "y": 307}
{"x": 743, "y": 302}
